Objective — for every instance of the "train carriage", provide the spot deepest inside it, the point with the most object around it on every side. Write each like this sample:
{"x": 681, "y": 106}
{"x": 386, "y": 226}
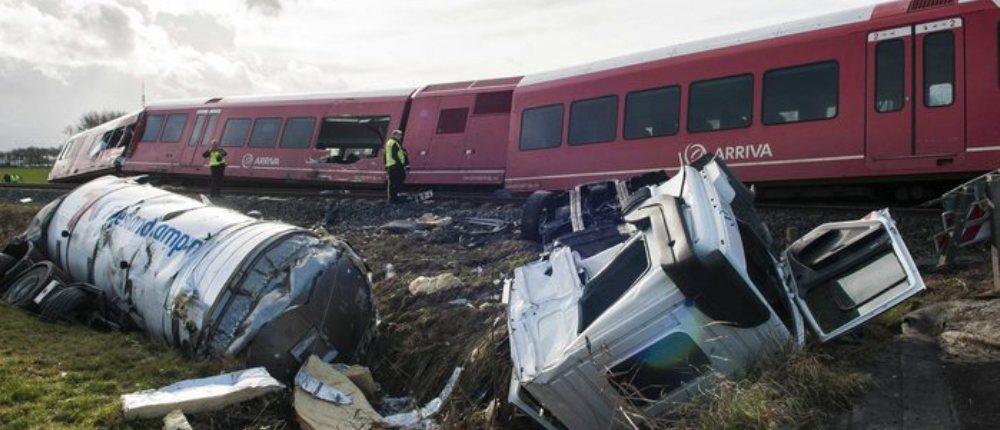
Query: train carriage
{"x": 892, "y": 93}
{"x": 886, "y": 91}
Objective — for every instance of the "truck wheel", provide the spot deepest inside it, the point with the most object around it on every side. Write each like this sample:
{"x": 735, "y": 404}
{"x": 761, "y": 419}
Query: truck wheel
{"x": 6, "y": 262}
{"x": 30, "y": 283}
{"x": 24, "y": 255}
{"x": 65, "y": 303}
{"x": 536, "y": 212}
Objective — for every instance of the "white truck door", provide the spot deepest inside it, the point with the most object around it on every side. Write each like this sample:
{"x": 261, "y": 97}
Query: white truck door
{"x": 846, "y": 273}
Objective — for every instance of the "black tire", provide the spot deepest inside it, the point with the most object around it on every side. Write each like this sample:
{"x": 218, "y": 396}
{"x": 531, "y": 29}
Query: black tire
{"x": 537, "y": 210}
{"x": 25, "y": 254}
{"x": 66, "y": 303}
{"x": 6, "y": 262}
{"x": 23, "y": 290}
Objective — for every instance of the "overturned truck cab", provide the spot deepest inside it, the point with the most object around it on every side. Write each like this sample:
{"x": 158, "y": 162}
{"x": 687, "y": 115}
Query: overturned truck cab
{"x": 692, "y": 285}
{"x": 209, "y": 280}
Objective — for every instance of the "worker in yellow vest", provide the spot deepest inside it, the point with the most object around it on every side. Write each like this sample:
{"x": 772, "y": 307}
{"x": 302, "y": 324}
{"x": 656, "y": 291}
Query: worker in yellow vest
{"x": 396, "y": 164}
{"x": 217, "y": 163}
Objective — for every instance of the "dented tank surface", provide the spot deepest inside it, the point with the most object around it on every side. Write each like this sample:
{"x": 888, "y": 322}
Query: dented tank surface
{"x": 212, "y": 281}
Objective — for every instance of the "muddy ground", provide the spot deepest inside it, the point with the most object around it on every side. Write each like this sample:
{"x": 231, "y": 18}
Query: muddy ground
{"x": 423, "y": 338}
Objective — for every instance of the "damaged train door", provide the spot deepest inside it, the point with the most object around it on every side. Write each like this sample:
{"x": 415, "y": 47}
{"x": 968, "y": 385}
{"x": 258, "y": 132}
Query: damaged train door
{"x": 846, "y": 273}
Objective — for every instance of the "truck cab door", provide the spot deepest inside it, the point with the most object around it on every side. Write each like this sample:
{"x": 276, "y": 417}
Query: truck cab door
{"x": 846, "y": 273}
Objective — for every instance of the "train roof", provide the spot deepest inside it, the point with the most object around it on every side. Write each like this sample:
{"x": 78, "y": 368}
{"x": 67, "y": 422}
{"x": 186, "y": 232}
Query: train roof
{"x": 481, "y": 85}
{"x": 253, "y": 100}
{"x": 821, "y": 22}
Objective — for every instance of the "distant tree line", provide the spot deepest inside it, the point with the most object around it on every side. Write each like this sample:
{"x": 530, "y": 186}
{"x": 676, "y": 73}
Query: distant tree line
{"x": 42, "y": 156}
{"x": 30, "y": 156}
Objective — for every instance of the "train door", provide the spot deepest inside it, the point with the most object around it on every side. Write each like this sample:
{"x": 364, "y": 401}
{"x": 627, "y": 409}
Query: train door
{"x": 205, "y": 122}
{"x": 447, "y": 148}
{"x": 915, "y": 88}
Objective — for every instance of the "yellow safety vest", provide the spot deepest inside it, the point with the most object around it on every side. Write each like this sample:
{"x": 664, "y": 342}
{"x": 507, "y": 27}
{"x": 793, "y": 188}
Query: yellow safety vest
{"x": 215, "y": 158}
{"x": 392, "y": 145}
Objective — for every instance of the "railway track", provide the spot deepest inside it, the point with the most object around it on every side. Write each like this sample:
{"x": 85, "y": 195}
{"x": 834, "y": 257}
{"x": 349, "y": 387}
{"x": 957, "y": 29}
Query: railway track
{"x": 483, "y": 197}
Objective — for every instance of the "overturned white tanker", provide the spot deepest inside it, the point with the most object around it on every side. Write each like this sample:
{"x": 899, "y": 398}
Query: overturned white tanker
{"x": 209, "y": 280}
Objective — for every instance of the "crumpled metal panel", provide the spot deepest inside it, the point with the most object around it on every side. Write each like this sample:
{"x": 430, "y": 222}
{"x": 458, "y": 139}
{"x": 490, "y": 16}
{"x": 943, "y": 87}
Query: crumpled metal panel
{"x": 208, "y": 279}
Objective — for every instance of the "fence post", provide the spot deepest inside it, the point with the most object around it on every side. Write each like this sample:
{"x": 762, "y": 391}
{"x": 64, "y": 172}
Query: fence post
{"x": 993, "y": 190}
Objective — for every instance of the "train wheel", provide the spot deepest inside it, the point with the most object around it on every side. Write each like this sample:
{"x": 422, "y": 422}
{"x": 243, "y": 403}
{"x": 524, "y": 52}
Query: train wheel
{"x": 536, "y": 212}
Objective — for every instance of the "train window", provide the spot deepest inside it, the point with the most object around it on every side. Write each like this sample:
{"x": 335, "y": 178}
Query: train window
{"x": 65, "y": 149}
{"x": 541, "y": 127}
{"x": 652, "y": 113}
{"x": 199, "y": 124}
{"x": 236, "y": 132}
{"x": 153, "y": 125}
{"x": 452, "y": 121}
{"x": 720, "y": 104}
{"x": 939, "y": 69}
{"x": 174, "y": 128}
{"x": 265, "y": 132}
{"x": 802, "y": 93}
{"x": 206, "y": 139}
{"x": 593, "y": 120}
{"x": 890, "y": 71}
{"x": 298, "y": 133}
{"x": 495, "y": 102}
{"x": 366, "y": 132}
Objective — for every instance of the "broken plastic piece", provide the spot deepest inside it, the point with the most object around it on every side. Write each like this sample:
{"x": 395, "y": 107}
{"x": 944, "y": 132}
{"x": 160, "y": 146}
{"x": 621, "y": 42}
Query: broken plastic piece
{"x": 200, "y": 395}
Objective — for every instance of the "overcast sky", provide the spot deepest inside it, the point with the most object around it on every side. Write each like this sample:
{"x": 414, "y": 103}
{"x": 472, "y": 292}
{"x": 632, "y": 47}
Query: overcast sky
{"x": 59, "y": 59}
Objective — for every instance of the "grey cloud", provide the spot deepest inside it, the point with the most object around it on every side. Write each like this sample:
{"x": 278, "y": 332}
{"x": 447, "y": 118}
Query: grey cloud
{"x": 200, "y": 31}
{"x": 112, "y": 24}
{"x": 267, "y": 7}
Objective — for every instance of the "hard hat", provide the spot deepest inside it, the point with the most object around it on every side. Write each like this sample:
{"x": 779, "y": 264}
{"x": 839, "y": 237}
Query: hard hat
{"x": 396, "y": 133}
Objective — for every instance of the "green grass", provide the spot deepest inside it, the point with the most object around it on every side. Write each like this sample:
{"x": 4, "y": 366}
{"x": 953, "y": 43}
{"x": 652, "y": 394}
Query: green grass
{"x": 65, "y": 376}
{"x": 29, "y": 175}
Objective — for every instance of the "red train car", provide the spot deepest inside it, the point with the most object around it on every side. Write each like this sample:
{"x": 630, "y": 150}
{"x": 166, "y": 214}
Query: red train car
{"x": 893, "y": 90}
{"x": 898, "y": 91}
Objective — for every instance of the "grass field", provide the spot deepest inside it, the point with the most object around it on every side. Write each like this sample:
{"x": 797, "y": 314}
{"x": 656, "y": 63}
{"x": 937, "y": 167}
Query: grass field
{"x": 29, "y": 175}
{"x": 64, "y": 376}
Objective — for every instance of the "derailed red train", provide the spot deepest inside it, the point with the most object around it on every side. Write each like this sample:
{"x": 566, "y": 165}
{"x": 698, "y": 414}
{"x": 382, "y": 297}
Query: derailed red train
{"x": 906, "y": 90}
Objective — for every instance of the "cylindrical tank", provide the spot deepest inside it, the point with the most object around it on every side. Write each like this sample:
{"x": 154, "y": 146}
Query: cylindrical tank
{"x": 212, "y": 281}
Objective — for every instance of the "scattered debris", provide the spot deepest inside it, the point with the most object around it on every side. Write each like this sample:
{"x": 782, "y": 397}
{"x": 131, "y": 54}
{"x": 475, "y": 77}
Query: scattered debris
{"x": 435, "y": 284}
{"x": 176, "y": 420}
{"x": 26, "y": 200}
{"x": 200, "y": 395}
{"x": 327, "y": 399}
{"x": 489, "y": 225}
{"x": 966, "y": 216}
{"x": 692, "y": 285}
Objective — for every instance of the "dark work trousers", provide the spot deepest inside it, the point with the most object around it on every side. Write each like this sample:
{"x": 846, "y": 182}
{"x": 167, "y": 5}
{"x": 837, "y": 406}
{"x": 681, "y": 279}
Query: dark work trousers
{"x": 218, "y": 172}
{"x": 396, "y": 176}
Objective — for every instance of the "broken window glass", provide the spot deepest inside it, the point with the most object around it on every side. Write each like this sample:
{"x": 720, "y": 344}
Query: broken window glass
{"x": 660, "y": 368}
{"x": 360, "y": 136}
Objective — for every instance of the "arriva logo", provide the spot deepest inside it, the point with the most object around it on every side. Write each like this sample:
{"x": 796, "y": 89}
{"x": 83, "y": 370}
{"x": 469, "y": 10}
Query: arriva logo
{"x": 248, "y": 161}
{"x": 695, "y": 151}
